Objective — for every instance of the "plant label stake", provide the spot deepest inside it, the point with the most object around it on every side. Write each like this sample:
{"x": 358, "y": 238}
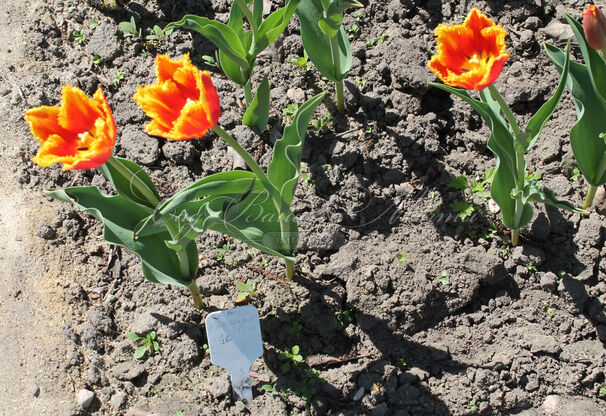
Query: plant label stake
{"x": 234, "y": 340}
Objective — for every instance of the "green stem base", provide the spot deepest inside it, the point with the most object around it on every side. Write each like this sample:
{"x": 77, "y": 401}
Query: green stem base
{"x": 590, "y": 195}
{"x": 515, "y": 237}
{"x": 339, "y": 90}
{"x": 290, "y": 269}
{"x": 195, "y": 294}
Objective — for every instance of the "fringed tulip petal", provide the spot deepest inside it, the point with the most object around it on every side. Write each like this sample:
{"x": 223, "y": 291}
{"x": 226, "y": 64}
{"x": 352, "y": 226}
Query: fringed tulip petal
{"x": 80, "y": 134}
{"x": 183, "y": 104}
{"x": 470, "y": 55}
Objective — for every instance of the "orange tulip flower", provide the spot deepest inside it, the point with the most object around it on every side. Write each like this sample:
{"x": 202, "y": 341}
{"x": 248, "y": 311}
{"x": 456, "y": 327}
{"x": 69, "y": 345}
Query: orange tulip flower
{"x": 183, "y": 104}
{"x": 470, "y": 55}
{"x": 81, "y": 133}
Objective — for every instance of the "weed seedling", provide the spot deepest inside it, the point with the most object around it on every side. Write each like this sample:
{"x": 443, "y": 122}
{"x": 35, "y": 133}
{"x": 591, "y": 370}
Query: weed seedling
{"x": 401, "y": 363}
{"x": 222, "y": 250}
{"x": 530, "y": 266}
{"x": 159, "y": 33}
{"x": 118, "y": 78}
{"x": 206, "y": 349}
{"x": 79, "y": 37}
{"x": 602, "y": 391}
{"x": 94, "y": 24}
{"x": 97, "y": 60}
{"x": 547, "y": 307}
{"x": 472, "y": 406}
{"x": 576, "y": 174}
{"x": 305, "y": 175}
{"x": 297, "y": 327}
{"x": 246, "y": 290}
{"x": 130, "y": 29}
{"x": 289, "y": 112}
{"x": 323, "y": 123}
{"x": 301, "y": 61}
{"x": 147, "y": 344}
{"x": 353, "y": 32}
{"x": 444, "y": 278}
{"x": 344, "y": 318}
{"x": 311, "y": 378}
{"x": 402, "y": 257}
{"x": 291, "y": 357}
{"x": 264, "y": 262}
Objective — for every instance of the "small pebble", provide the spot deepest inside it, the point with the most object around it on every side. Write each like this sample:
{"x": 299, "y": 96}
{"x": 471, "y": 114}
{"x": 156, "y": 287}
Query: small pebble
{"x": 358, "y": 394}
{"x": 85, "y": 398}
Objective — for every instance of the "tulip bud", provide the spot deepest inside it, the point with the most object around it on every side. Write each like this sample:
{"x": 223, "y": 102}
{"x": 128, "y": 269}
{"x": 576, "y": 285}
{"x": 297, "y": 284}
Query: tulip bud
{"x": 594, "y": 23}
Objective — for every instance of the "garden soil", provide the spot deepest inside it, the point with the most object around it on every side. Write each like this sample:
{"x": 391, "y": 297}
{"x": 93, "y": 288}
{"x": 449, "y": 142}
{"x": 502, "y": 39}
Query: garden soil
{"x": 399, "y": 306}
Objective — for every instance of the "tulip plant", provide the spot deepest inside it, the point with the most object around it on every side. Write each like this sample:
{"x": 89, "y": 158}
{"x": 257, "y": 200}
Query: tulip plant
{"x": 253, "y": 207}
{"x": 238, "y": 48}
{"x": 587, "y": 83}
{"x": 471, "y": 56}
{"x": 322, "y": 31}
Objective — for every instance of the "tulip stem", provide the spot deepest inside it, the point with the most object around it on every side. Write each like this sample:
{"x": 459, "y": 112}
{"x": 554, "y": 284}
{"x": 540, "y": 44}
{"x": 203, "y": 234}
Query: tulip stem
{"x": 247, "y": 93}
{"x": 515, "y": 236}
{"x": 281, "y": 206}
{"x": 195, "y": 294}
{"x": 506, "y": 110}
{"x": 336, "y": 64}
{"x": 590, "y": 195}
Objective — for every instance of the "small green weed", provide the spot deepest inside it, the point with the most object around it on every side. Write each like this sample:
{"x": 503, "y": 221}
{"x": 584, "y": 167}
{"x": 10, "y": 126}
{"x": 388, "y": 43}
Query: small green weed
{"x": 344, "y": 318}
{"x": 323, "y": 123}
{"x": 130, "y": 29}
{"x": 94, "y": 23}
{"x": 360, "y": 82}
{"x": 97, "y": 60}
{"x": 147, "y": 344}
{"x": 469, "y": 187}
{"x": 291, "y": 358}
{"x": 547, "y": 307}
{"x": 246, "y": 290}
{"x": 79, "y": 37}
{"x": 402, "y": 257}
{"x": 353, "y": 32}
{"x": 311, "y": 378}
{"x": 221, "y": 251}
{"x": 158, "y": 33}
{"x": 576, "y": 174}
{"x": 444, "y": 278}
{"x": 305, "y": 175}
{"x": 300, "y": 61}
{"x": 530, "y": 266}
{"x": 289, "y": 112}
{"x": 401, "y": 363}
{"x": 602, "y": 390}
{"x": 472, "y": 406}
{"x": 118, "y": 77}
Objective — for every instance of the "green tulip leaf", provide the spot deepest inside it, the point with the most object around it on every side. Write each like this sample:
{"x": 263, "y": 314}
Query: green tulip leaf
{"x": 223, "y": 36}
{"x": 120, "y": 216}
{"x": 588, "y": 148}
{"x": 318, "y": 45}
{"x": 593, "y": 60}
{"x": 257, "y": 113}
{"x": 122, "y": 176}
{"x": 538, "y": 121}
{"x": 283, "y": 170}
{"x": 274, "y": 25}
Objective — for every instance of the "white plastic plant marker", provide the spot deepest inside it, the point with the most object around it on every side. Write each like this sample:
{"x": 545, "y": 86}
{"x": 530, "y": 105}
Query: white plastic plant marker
{"x": 234, "y": 340}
